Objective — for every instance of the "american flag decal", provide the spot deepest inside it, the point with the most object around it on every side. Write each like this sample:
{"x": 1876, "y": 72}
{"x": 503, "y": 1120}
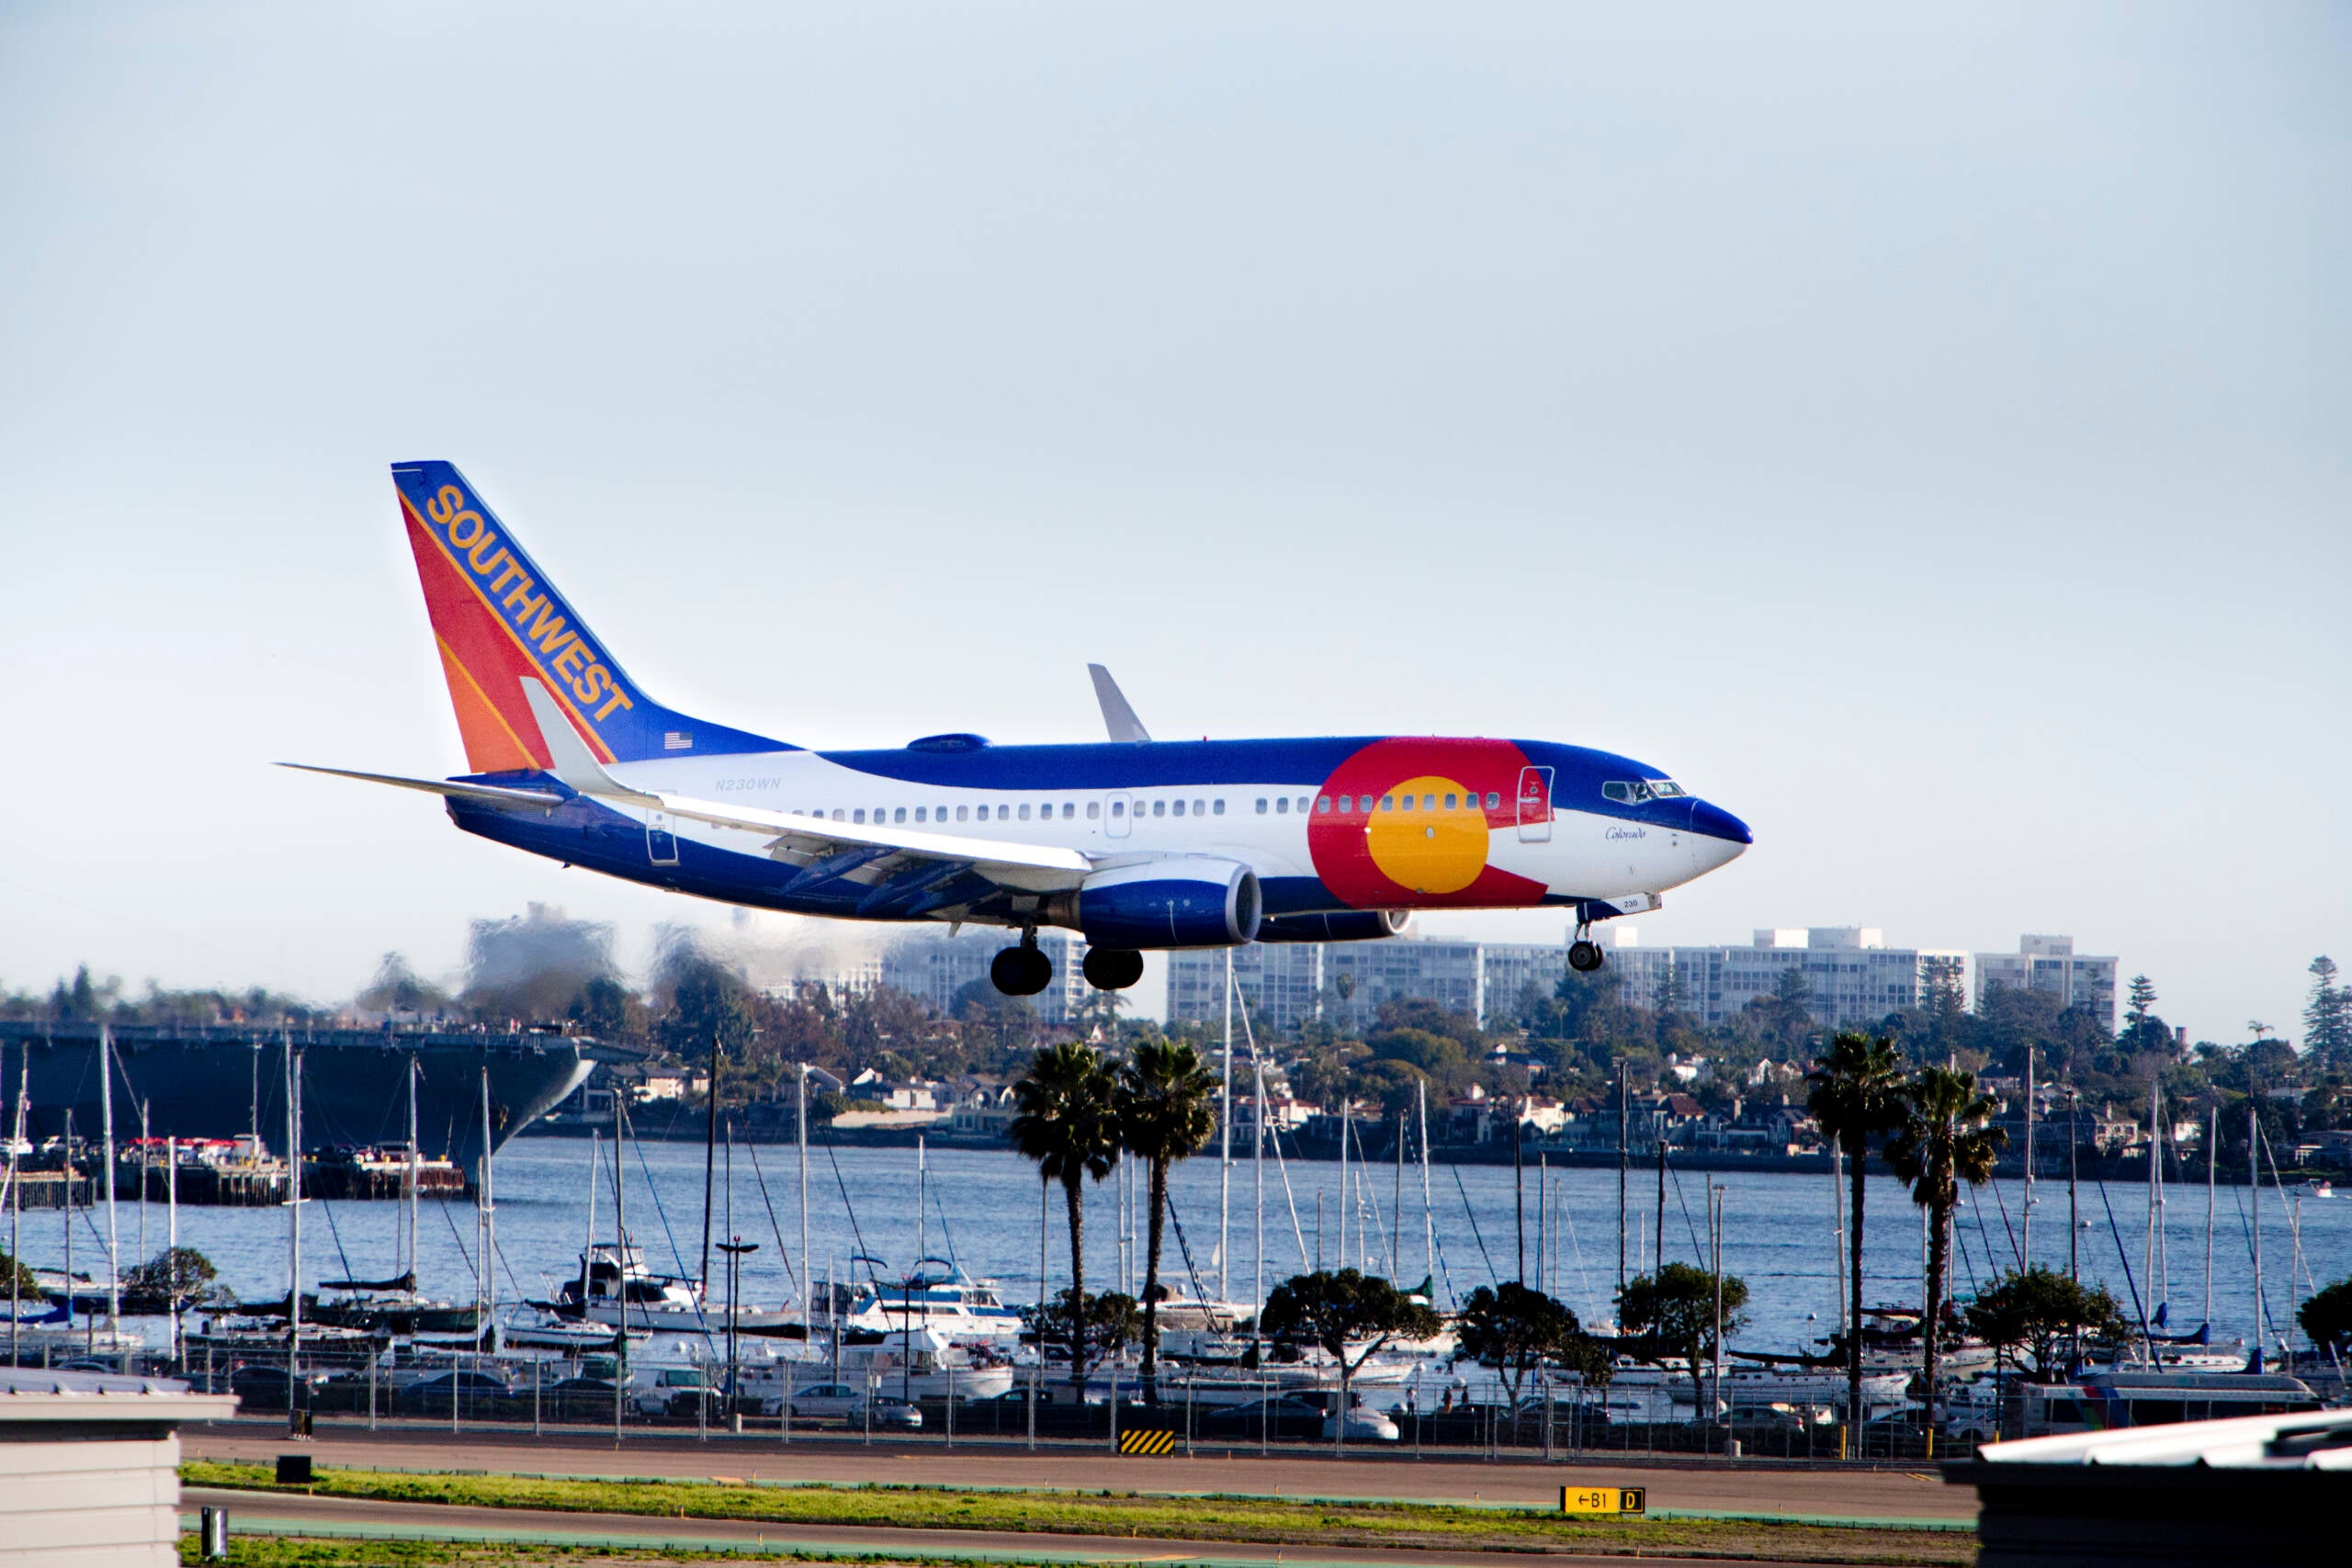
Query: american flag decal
{"x": 673, "y": 742}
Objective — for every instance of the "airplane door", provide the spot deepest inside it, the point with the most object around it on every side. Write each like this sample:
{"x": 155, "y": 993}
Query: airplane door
{"x": 1534, "y": 806}
{"x": 660, "y": 840}
{"x": 1118, "y": 811}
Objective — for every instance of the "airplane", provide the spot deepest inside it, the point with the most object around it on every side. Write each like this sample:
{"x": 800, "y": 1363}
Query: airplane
{"x": 1133, "y": 843}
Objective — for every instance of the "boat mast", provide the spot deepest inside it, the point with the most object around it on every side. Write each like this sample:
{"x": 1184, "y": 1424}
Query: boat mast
{"x": 709, "y": 1162}
{"x": 588, "y": 1240}
{"x": 293, "y": 1223}
{"x": 17, "y": 1204}
{"x": 2212, "y": 1155}
{"x": 488, "y": 1217}
{"x": 1397, "y": 1205}
{"x": 800, "y": 1122}
{"x": 171, "y": 1236}
{"x": 1258, "y": 1194}
{"x": 415, "y": 1174}
{"x": 1623, "y": 1130}
{"x": 2025, "y": 1232}
{"x": 1346, "y": 1120}
{"x": 2254, "y": 1176}
{"x": 621, "y": 1229}
{"x": 2148, "y": 1249}
{"x": 1429, "y": 1210}
{"x": 106, "y": 1121}
{"x": 1224, "y": 1144}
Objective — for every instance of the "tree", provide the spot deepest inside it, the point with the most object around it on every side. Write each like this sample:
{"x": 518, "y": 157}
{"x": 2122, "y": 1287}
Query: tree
{"x": 15, "y": 1270}
{"x": 1853, "y": 1095}
{"x": 174, "y": 1279}
{"x": 1111, "y": 1321}
{"x": 1946, "y": 1137}
{"x": 1066, "y": 1118}
{"x": 2327, "y": 1017}
{"x": 1338, "y": 1312}
{"x": 1672, "y": 1314}
{"x": 1515, "y": 1330}
{"x": 2043, "y": 1315}
{"x": 1166, "y": 1111}
{"x": 2327, "y": 1317}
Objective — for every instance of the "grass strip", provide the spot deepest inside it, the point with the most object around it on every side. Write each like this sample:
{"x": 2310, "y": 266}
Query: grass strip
{"x": 1272, "y": 1521}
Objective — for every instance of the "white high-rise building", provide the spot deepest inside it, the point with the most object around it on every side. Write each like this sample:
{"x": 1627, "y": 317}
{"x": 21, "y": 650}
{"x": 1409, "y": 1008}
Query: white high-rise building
{"x": 1281, "y": 983}
{"x": 2051, "y": 964}
{"x": 933, "y": 967}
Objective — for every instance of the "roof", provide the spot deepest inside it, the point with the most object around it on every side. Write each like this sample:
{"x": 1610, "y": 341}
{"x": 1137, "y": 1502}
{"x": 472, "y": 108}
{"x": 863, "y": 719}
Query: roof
{"x": 2314, "y": 1440}
{"x": 30, "y": 1394}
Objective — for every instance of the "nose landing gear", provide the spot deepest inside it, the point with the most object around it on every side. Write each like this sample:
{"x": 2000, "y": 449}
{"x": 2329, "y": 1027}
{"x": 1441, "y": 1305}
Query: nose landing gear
{"x": 1584, "y": 953}
{"x": 1022, "y": 971}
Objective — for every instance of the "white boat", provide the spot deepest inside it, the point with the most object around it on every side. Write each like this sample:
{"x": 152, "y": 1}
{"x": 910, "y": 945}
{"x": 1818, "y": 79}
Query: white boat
{"x": 2315, "y": 1188}
{"x": 947, "y": 1300}
{"x": 621, "y": 1289}
{"x": 926, "y": 1364}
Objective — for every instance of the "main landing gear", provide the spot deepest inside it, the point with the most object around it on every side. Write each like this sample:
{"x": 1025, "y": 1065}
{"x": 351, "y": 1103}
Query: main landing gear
{"x": 1112, "y": 968}
{"x": 1022, "y": 971}
{"x": 1584, "y": 953}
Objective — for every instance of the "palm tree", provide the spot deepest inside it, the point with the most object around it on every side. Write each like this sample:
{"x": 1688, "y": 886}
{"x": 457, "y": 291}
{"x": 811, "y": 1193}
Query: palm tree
{"x": 1167, "y": 1111}
{"x": 1946, "y": 1137}
{"x": 1855, "y": 1087}
{"x": 1067, "y": 1119}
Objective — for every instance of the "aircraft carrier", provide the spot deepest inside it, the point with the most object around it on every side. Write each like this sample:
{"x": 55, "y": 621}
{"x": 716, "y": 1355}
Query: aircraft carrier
{"x": 225, "y": 1080}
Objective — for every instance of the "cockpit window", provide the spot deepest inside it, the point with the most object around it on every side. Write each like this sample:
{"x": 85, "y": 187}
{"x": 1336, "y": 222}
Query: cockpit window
{"x": 1634, "y": 792}
{"x": 1667, "y": 789}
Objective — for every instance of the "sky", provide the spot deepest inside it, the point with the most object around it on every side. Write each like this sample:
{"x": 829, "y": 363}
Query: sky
{"x": 1920, "y": 431}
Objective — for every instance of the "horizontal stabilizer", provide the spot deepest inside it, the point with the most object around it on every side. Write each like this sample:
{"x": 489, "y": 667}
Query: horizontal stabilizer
{"x": 488, "y": 794}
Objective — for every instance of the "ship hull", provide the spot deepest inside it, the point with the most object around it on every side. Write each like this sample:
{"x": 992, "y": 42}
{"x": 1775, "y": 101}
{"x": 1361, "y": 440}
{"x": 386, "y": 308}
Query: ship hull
{"x": 222, "y": 1082}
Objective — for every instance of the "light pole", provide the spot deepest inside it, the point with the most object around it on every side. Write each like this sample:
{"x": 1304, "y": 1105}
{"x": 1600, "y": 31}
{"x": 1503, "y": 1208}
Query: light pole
{"x": 735, "y": 1251}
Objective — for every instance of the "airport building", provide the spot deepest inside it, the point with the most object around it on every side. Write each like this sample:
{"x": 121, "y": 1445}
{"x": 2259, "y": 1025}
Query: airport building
{"x": 2050, "y": 963}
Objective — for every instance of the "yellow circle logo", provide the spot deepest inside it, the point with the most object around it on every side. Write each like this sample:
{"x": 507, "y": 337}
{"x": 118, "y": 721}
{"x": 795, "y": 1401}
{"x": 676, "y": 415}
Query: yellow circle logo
{"x": 1434, "y": 847}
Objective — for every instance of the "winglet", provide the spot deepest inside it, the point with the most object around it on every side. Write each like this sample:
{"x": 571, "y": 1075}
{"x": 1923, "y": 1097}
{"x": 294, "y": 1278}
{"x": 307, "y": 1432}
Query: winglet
{"x": 1117, "y": 717}
{"x": 573, "y": 763}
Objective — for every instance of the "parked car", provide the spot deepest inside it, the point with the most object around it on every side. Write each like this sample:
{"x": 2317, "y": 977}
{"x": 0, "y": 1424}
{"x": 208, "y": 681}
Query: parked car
{"x": 468, "y": 1387}
{"x": 671, "y": 1391}
{"x": 896, "y": 1415}
{"x": 580, "y": 1399}
{"x": 1276, "y": 1419}
{"x": 1365, "y": 1424}
{"x": 264, "y": 1385}
{"x": 825, "y": 1402}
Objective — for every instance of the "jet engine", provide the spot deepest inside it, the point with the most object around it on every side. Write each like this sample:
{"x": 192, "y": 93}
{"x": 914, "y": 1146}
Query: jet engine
{"x": 1353, "y": 925}
{"x": 1184, "y": 901}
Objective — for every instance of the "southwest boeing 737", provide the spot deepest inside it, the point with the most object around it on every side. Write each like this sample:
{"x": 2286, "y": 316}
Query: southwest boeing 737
{"x": 1133, "y": 843}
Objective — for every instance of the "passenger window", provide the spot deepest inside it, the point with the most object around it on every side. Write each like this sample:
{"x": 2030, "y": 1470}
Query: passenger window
{"x": 1024, "y": 811}
{"x": 1004, "y": 813}
{"x": 1069, "y": 810}
{"x": 1301, "y": 804}
{"x": 861, "y": 814}
{"x": 1261, "y": 806}
{"x": 1347, "y": 802}
{"x": 1200, "y": 807}
{"x": 919, "y": 817}
{"x": 1389, "y": 803}
{"x": 837, "y": 813}
{"x": 1159, "y": 809}
{"x": 1322, "y": 804}
{"x": 1429, "y": 803}
{"x": 1494, "y": 801}
{"x": 1281, "y": 805}
{"x": 1449, "y": 803}
{"x": 1220, "y": 805}
{"x": 1118, "y": 808}
{"x": 899, "y": 814}
{"x": 1180, "y": 808}
{"x": 1093, "y": 810}
{"x": 1409, "y": 803}
{"x": 963, "y": 814}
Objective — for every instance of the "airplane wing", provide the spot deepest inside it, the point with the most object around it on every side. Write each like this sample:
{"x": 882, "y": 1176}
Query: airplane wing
{"x": 911, "y": 873}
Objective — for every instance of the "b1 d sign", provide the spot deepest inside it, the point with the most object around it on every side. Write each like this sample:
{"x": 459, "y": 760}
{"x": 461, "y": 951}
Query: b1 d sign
{"x": 1603, "y": 1500}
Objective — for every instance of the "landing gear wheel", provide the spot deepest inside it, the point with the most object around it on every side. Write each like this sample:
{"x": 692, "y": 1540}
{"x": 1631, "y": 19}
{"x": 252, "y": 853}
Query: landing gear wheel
{"x": 1584, "y": 957}
{"x": 1021, "y": 971}
{"x": 1112, "y": 968}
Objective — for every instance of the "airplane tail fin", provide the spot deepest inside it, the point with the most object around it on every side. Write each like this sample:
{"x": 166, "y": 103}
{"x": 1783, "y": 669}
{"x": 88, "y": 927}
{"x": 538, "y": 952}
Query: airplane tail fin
{"x": 499, "y": 619}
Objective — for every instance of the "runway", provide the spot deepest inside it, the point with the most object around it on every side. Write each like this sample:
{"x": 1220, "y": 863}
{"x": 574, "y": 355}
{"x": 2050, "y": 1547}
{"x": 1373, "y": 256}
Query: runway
{"x": 1754, "y": 1488}
{"x": 283, "y": 1514}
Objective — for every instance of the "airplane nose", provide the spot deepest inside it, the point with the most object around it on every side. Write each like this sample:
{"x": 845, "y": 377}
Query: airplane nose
{"x": 1716, "y": 823}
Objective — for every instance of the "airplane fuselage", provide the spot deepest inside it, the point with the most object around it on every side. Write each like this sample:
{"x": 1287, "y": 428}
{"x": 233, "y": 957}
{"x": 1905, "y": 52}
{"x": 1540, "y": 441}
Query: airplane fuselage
{"x": 1330, "y": 825}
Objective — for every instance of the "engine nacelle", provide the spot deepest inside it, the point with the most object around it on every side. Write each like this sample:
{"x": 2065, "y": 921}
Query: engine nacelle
{"x": 1354, "y": 925}
{"x": 1183, "y": 901}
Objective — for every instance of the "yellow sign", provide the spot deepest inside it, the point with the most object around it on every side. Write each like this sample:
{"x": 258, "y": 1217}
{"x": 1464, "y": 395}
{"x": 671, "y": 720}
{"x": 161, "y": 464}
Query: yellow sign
{"x": 1148, "y": 1443}
{"x": 1603, "y": 1500}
